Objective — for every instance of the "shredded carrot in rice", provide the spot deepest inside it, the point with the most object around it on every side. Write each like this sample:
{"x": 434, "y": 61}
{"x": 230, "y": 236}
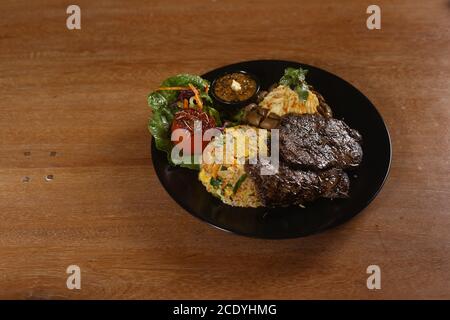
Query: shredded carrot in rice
{"x": 185, "y": 104}
{"x": 215, "y": 169}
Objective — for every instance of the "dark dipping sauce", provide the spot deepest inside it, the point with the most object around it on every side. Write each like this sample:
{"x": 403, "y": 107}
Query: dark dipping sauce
{"x": 223, "y": 90}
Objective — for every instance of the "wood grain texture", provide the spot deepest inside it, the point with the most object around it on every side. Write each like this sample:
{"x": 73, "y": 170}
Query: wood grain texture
{"x": 82, "y": 94}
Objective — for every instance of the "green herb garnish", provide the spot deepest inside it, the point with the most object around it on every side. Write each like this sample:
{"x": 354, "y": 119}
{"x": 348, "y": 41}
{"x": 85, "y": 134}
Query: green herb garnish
{"x": 239, "y": 182}
{"x": 295, "y": 79}
{"x": 215, "y": 182}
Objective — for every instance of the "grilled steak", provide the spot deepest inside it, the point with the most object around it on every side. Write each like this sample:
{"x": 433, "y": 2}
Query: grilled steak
{"x": 295, "y": 187}
{"x": 311, "y": 141}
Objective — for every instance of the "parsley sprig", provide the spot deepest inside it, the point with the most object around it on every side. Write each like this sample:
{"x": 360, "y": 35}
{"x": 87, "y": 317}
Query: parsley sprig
{"x": 295, "y": 79}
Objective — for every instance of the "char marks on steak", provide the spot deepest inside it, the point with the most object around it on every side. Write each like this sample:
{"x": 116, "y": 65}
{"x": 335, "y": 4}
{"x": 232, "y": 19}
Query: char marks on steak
{"x": 295, "y": 187}
{"x": 313, "y": 153}
{"x": 313, "y": 142}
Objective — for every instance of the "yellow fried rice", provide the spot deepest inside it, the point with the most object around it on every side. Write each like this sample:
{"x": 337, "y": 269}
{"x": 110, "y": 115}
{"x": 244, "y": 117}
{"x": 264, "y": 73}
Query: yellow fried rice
{"x": 224, "y": 176}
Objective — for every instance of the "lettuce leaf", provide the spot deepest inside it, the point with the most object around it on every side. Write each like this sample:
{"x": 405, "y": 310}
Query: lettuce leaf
{"x": 164, "y": 109}
{"x": 161, "y": 120}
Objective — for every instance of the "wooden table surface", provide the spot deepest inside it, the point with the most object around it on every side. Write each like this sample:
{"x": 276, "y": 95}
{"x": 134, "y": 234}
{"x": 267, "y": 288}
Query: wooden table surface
{"x": 73, "y": 105}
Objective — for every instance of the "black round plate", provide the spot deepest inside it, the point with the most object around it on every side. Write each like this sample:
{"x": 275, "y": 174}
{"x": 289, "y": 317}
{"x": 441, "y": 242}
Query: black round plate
{"x": 348, "y": 104}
